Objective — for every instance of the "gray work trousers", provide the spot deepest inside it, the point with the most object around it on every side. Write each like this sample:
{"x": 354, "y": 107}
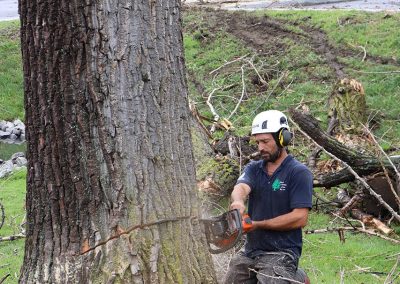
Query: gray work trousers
{"x": 268, "y": 268}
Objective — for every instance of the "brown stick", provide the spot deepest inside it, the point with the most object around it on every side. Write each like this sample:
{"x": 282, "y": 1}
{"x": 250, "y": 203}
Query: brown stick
{"x": 12, "y": 238}
{"x": 369, "y": 232}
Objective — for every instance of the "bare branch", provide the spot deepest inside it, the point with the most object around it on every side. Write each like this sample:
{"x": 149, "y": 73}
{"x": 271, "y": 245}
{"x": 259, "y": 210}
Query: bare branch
{"x": 228, "y": 63}
{"x": 12, "y": 238}
{"x": 241, "y": 98}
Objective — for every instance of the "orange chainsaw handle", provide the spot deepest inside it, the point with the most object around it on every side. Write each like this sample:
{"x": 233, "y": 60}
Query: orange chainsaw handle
{"x": 247, "y": 223}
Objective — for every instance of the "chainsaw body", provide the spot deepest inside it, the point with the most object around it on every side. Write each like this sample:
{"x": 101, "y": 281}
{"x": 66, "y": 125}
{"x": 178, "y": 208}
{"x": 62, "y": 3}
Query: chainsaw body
{"x": 225, "y": 231}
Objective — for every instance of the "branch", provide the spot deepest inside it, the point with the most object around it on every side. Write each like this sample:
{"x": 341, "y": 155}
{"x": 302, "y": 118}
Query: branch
{"x": 366, "y": 185}
{"x": 241, "y": 97}
{"x": 361, "y": 230}
{"x": 12, "y": 238}
{"x": 275, "y": 277}
{"x": 228, "y": 63}
{"x": 129, "y": 230}
{"x": 213, "y": 111}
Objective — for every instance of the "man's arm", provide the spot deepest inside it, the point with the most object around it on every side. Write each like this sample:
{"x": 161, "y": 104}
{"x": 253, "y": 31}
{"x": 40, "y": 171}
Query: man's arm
{"x": 239, "y": 197}
{"x": 293, "y": 220}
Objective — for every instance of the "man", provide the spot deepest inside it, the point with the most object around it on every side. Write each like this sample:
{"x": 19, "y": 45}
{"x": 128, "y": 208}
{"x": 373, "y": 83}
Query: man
{"x": 279, "y": 189}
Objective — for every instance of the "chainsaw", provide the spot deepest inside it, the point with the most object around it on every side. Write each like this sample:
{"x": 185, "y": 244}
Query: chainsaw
{"x": 223, "y": 232}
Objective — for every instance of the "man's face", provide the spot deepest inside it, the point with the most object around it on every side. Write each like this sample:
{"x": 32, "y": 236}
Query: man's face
{"x": 267, "y": 147}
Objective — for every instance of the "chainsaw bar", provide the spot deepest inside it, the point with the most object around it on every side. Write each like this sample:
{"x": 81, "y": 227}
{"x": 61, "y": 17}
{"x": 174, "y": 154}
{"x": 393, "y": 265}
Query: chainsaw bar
{"x": 223, "y": 232}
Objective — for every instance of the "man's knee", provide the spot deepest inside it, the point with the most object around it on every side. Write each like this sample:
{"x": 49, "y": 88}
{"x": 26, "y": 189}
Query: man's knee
{"x": 238, "y": 270}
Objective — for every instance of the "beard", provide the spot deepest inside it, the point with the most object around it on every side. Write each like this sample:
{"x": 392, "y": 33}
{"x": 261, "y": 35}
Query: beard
{"x": 271, "y": 157}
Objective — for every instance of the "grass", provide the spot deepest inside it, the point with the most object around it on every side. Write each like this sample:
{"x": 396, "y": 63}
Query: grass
{"x": 12, "y": 196}
{"x": 11, "y": 87}
{"x": 361, "y": 258}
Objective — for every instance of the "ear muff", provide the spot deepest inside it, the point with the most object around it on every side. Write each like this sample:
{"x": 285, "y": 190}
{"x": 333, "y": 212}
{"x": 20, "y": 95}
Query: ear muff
{"x": 284, "y": 137}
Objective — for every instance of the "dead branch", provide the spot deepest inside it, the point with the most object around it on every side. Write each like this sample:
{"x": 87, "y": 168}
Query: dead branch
{"x": 228, "y": 63}
{"x": 343, "y": 149}
{"x": 241, "y": 97}
{"x": 383, "y": 166}
{"x": 350, "y": 203}
{"x": 258, "y": 73}
{"x": 4, "y": 278}
{"x": 356, "y": 229}
{"x": 361, "y": 163}
{"x": 216, "y": 115}
{"x": 12, "y": 238}
{"x": 197, "y": 116}
{"x": 390, "y": 277}
{"x": 275, "y": 277}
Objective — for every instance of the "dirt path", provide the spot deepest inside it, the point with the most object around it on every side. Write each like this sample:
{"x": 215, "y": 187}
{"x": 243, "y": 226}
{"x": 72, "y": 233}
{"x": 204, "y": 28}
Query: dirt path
{"x": 264, "y": 35}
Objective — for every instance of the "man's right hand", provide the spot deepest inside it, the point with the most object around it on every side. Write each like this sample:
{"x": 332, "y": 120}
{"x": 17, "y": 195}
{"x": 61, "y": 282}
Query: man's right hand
{"x": 238, "y": 205}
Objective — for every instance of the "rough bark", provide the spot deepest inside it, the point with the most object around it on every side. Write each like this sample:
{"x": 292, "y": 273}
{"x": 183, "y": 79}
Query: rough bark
{"x": 109, "y": 145}
{"x": 361, "y": 163}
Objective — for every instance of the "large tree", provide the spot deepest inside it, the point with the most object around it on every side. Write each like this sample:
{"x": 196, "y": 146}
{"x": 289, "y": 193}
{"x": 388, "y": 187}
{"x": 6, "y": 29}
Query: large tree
{"x": 111, "y": 177}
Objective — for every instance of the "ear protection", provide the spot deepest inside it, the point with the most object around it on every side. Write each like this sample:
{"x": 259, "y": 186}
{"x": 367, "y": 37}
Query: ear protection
{"x": 284, "y": 137}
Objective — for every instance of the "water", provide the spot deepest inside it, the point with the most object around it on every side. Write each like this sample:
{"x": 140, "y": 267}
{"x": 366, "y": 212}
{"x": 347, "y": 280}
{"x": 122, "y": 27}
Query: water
{"x": 7, "y": 150}
{"x": 8, "y": 10}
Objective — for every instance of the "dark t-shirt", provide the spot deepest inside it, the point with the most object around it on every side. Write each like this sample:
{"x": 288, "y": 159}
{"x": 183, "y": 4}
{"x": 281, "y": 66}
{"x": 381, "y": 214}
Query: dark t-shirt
{"x": 288, "y": 188}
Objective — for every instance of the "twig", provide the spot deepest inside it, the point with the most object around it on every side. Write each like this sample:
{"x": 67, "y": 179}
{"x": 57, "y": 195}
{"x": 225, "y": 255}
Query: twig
{"x": 341, "y": 276}
{"x": 361, "y": 230}
{"x": 350, "y": 169}
{"x": 12, "y": 238}
{"x": 384, "y": 169}
{"x": 276, "y": 277}
{"x": 228, "y": 63}
{"x": 378, "y": 72}
{"x": 4, "y": 278}
{"x": 135, "y": 227}
{"x": 216, "y": 115}
{"x": 241, "y": 97}
{"x": 255, "y": 69}
{"x": 389, "y": 277}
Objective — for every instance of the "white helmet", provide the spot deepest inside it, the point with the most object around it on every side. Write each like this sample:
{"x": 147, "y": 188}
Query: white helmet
{"x": 270, "y": 121}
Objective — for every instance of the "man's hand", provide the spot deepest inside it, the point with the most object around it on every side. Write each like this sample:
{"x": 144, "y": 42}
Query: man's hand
{"x": 238, "y": 205}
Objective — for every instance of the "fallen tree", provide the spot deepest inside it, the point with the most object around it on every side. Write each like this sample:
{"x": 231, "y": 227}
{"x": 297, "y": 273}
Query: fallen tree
{"x": 361, "y": 163}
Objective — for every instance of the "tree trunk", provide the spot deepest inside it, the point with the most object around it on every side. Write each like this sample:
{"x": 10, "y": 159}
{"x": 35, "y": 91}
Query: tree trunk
{"x": 111, "y": 178}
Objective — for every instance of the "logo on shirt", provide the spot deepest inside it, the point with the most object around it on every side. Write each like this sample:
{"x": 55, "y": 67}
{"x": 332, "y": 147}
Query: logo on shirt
{"x": 278, "y": 185}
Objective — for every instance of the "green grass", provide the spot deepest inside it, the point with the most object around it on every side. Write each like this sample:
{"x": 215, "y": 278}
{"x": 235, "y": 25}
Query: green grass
{"x": 325, "y": 256}
{"x": 11, "y": 82}
{"x": 12, "y": 196}
{"x": 377, "y": 32}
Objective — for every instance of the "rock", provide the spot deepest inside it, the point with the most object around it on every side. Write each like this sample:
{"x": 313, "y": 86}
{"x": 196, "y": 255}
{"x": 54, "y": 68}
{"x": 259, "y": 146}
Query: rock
{"x": 6, "y": 168}
{"x": 21, "y": 161}
{"x": 17, "y": 155}
{"x": 4, "y": 134}
{"x": 3, "y": 125}
{"x": 9, "y": 125}
{"x": 13, "y": 137}
{"x": 1, "y": 161}
{"x": 17, "y": 131}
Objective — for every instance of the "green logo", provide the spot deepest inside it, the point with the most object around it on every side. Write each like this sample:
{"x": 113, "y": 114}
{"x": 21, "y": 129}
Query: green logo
{"x": 276, "y": 185}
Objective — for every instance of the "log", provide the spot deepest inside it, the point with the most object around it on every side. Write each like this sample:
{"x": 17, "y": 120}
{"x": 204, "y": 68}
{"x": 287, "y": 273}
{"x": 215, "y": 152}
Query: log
{"x": 361, "y": 163}
{"x": 356, "y": 213}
